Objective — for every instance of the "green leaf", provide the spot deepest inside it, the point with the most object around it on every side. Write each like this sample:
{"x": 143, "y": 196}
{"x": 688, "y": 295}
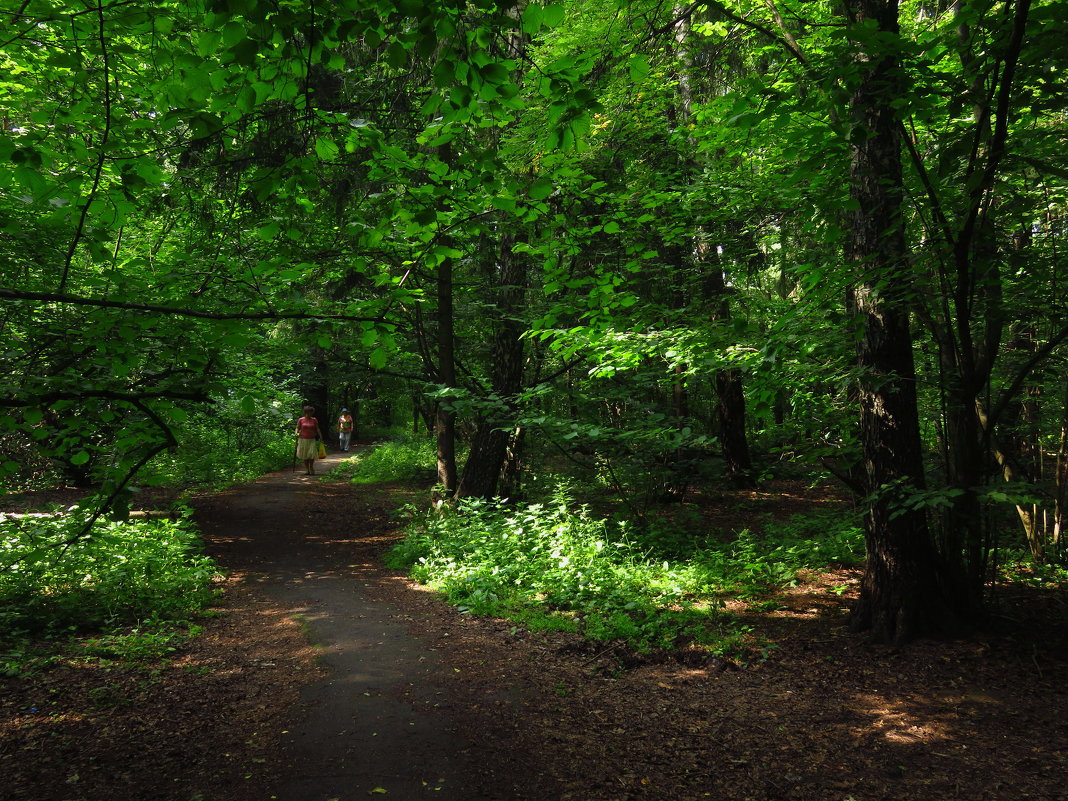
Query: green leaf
{"x": 639, "y": 68}
{"x": 268, "y": 231}
{"x": 326, "y": 149}
{"x": 233, "y": 33}
{"x": 532, "y": 18}
{"x": 81, "y": 457}
{"x": 553, "y": 15}
{"x": 396, "y": 55}
{"x": 496, "y": 73}
{"x": 540, "y": 189}
{"x": 207, "y": 42}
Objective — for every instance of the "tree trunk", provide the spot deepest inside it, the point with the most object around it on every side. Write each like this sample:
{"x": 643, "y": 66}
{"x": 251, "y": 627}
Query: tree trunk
{"x": 512, "y": 471}
{"x": 489, "y": 446}
{"x": 730, "y": 397}
{"x": 444, "y": 417}
{"x": 1060, "y": 481}
{"x": 732, "y": 435}
{"x": 902, "y": 596}
{"x": 728, "y": 383}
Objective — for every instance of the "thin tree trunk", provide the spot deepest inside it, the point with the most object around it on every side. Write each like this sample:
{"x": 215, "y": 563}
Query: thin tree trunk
{"x": 728, "y": 383}
{"x": 489, "y": 446}
{"x": 512, "y": 470}
{"x": 730, "y": 397}
{"x": 1060, "y": 480}
{"x": 444, "y": 417}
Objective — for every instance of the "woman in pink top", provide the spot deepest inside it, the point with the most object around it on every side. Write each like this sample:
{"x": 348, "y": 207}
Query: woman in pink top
{"x": 308, "y": 436}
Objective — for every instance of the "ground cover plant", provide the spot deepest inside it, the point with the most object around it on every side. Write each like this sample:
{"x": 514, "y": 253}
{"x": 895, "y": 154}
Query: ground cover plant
{"x": 555, "y": 565}
{"x": 223, "y": 450}
{"x": 126, "y": 590}
{"x": 402, "y": 457}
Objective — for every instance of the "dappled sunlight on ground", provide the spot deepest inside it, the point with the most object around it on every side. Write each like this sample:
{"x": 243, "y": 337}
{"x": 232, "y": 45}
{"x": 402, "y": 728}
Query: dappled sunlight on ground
{"x": 904, "y": 722}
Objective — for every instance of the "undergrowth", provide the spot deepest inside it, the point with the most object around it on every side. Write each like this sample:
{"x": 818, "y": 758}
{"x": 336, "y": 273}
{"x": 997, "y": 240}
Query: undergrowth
{"x": 205, "y": 463}
{"x": 406, "y": 458}
{"x": 130, "y": 588}
{"x": 555, "y": 566}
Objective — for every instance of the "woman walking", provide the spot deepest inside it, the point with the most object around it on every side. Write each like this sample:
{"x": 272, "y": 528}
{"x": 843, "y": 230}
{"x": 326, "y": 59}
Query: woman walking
{"x": 344, "y": 429}
{"x": 308, "y": 436}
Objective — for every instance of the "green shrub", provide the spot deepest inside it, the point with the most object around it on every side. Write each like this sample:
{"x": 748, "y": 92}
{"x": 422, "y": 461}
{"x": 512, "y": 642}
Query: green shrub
{"x": 560, "y": 568}
{"x": 755, "y": 564}
{"x": 214, "y": 461}
{"x": 121, "y": 573}
{"x": 406, "y": 458}
{"x": 553, "y": 566}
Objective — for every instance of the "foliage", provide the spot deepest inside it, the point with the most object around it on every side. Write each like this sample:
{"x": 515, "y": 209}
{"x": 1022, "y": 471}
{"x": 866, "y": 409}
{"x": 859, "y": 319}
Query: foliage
{"x": 203, "y": 202}
{"x": 756, "y": 564}
{"x": 554, "y": 566}
{"x": 227, "y": 444}
{"x": 1020, "y": 567}
{"x": 407, "y": 458}
{"x": 150, "y": 570}
{"x": 149, "y": 641}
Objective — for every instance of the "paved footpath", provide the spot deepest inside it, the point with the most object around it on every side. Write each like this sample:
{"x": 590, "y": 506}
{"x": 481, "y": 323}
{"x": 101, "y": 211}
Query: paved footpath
{"x": 379, "y": 724}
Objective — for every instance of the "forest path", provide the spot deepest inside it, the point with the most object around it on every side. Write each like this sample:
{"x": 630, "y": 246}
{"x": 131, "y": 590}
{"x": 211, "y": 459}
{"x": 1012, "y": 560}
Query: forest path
{"x": 381, "y": 721}
{"x": 410, "y": 691}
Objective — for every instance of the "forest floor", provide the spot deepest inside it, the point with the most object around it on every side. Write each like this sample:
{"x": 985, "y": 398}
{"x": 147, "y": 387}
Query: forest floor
{"x": 323, "y": 676}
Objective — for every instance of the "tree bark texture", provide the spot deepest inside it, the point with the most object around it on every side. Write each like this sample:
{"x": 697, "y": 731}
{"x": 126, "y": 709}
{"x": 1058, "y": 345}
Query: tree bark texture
{"x": 901, "y": 593}
{"x": 489, "y": 446}
{"x": 445, "y": 418}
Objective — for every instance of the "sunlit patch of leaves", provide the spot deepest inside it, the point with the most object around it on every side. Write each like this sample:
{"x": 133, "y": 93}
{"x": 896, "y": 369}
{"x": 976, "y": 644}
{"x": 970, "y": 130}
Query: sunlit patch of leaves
{"x": 130, "y": 586}
{"x": 406, "y": 458}
{"x": 554, "y": 566}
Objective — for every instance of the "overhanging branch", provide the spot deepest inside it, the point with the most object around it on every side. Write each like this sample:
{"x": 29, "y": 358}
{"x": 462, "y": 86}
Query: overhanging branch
{"x": 73, "y": 300}
{"x": 135, "y": 398}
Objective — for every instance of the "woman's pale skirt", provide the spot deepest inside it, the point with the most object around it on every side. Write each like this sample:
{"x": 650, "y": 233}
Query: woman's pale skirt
{"x": 307, "y": 448}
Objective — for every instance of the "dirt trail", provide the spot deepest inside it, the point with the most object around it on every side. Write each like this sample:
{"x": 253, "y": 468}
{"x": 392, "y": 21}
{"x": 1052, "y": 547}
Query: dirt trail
{"x": 412, "y": 700}
{"x": 378, "y": 723}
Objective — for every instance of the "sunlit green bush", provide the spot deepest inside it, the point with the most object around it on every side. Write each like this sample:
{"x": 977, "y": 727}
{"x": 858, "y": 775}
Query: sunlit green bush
{"x": 402, "y": 458}
{"x": 554, "y": 566}
{"x": 204, "y": 461}
{"x": 227, "y": 444}
{"x": 122, "y": 573}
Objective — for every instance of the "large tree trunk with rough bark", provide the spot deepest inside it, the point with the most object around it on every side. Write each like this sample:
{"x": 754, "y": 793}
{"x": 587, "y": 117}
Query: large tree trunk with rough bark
{"x": 902, "y": 593}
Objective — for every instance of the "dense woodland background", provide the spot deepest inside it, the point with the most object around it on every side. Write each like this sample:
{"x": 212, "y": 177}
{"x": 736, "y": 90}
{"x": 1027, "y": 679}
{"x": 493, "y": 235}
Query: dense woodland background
{"x": 650, "y": 248}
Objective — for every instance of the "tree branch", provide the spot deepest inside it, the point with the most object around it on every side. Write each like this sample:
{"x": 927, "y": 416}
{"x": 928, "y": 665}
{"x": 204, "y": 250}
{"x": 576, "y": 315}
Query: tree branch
{"x": 98, "y": 170}
{"x": 1006, "y": 395}
{"x": 135, "y": 398}
{"x": 73, "y": 300}
{"x": 996, "y": 148}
